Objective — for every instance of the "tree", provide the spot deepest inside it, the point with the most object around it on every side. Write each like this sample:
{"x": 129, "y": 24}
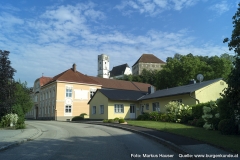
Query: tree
{"x": 182, "y": 68}
{"x": 22, "y": 96}
{"x": 232, "y": 93}
{"x": 23, "y": 102}
{"x": 7, "y": 84}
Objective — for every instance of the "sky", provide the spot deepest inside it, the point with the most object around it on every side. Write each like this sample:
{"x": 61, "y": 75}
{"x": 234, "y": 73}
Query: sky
{"x": 46, "y": 37}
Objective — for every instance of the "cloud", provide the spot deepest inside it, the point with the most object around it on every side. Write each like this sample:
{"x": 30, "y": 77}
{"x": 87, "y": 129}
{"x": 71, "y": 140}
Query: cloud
{"x": 220, "y": 7}
{"x": 153, "y": 7}
{"x": 62, "y": 35}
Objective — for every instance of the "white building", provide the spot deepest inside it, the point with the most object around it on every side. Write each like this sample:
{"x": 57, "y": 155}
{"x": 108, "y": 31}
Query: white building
{"x": 120, "y": 71}
{"x": 103, "y": 66}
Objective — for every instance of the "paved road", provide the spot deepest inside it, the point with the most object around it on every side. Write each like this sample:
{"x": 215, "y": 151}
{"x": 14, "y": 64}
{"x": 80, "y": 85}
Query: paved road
{"x": 62, "y": 140}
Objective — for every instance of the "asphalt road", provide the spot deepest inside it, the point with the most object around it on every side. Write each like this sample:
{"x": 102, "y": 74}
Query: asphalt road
{"x": 64, "y": 140}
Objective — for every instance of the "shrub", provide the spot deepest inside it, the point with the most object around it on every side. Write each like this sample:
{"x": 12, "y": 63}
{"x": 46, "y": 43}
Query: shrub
{"x": 197, "y": 110}
{"x": 211, "y": 116}
{"x": 225, "y": 111}
{"x": 200, "y": 122}
{"x": 178, "y": 112}
{"x": 110, "y": 121}
{"x": 164, "y": 117}
{"x": 77, "y": 118}
{"x": 154, "y": 116}
{"x": 116, "y": 119}
{"x": 227, "y": 127}
{"x": 144, "y": 116}
{"x": 82, "y": 114}
{"x": 121, "y": 120}
{"x": 20, "y": 123}
{"x": 105, "y": 121}
{"x": 140, "y": 117}
{"x": 9, "y": 119}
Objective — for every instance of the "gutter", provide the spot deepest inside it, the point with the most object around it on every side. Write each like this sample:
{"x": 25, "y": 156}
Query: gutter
{"x": 194, "y": 97}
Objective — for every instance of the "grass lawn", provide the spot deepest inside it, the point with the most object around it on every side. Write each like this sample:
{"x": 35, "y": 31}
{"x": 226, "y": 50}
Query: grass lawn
{"x": 230, "y": 142}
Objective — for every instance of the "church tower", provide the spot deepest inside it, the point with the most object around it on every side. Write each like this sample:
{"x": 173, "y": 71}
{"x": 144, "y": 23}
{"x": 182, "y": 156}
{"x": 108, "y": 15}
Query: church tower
{"x": 103, "y": 66}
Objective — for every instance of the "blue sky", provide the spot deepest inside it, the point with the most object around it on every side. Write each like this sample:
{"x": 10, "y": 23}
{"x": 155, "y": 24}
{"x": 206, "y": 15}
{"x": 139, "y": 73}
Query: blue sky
{"x": 48, "y": 36}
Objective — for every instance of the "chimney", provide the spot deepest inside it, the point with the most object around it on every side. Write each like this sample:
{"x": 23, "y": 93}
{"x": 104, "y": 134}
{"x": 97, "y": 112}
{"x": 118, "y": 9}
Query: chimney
{"x": 74, "y": 67}
{"x": 192, "y": 81}
{"x": 151, "y": 89}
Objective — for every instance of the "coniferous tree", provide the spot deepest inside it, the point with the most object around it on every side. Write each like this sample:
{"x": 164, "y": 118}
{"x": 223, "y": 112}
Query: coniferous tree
{"x": 7, "y": 84}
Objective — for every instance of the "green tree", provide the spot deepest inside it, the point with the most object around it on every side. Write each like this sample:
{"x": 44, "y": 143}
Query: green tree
{"x": 23, "y": 102}
{"x": 7, "y": 84}
{"x": 182, "y": 68}
{"x": 232, "y": 93}
{"x": 23, "y": 96}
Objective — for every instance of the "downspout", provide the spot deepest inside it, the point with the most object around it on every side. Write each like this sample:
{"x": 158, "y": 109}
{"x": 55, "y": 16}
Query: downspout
{"x": 190, "y": 94}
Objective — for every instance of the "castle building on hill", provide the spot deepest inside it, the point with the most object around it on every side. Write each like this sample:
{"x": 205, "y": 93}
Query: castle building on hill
{"x": 148, "y": 62}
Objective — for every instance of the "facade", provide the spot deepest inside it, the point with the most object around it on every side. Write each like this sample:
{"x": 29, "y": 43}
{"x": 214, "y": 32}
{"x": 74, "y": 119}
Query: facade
{"x": 36, "y": 96}
{"x": 103, "y": 66}
{"x": 154, "y": 101}
{"x": 120, "y": 71}
{"x": 67, "y": 94}
{"x": 64, "y": 96}
{"x": 112, "y": 103}
{"x": 148, "y": 62}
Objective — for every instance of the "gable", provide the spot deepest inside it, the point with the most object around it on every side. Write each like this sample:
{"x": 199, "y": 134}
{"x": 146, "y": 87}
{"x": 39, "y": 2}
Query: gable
{"x": 148, "y": 58}
{"x": 118, "y": 70}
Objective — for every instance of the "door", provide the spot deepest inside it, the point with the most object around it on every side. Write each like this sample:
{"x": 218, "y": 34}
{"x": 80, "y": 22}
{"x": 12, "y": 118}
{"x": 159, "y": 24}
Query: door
{"x": 132, "y": 111}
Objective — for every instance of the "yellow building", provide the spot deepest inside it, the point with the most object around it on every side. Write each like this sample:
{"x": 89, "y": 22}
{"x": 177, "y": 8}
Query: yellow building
{"x": 67, "y": 94}
{"x": 152, "y": 101}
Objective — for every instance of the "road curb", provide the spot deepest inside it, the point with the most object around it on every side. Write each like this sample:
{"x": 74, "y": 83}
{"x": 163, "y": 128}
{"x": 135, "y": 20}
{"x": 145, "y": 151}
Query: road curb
{"x": 30, "y": 138}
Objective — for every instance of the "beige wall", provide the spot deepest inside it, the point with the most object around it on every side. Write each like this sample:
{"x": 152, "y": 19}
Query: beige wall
{"x": 211, "y": 92}
{"x": 99, "y": 99}
{"x": 109, "y": 112}
{"x": 125, "y": 115}
{"x": 52, "y": 100}
{"x": 186, "y": 100}
{"x": 78, "y": 104}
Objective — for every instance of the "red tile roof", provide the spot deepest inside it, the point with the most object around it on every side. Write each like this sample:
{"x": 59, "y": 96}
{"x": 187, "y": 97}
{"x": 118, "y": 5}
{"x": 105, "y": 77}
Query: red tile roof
{"x": 148, "y": 58}
{"x": 44, "y": 80}
{"x": 120, "y": 84}
{"x": 71, "y": 76}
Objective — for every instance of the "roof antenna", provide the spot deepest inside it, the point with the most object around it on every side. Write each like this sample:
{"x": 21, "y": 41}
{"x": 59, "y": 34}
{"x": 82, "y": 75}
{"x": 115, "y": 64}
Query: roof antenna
{"x": 42, "y": 74}
{"x": 200, "y": 77}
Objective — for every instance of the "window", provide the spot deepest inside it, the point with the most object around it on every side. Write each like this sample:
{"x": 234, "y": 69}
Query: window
{"x": 68, "y": 92}
{"x": 101, "y": 109}
{"x": 93, "y": 109}
{"x": 48, "y": 110}
{"x": 118, "y": 108}
{"x": 68, "y": 109}
{"x": 147, "y": 106}
{"x": 156, "y": 107}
